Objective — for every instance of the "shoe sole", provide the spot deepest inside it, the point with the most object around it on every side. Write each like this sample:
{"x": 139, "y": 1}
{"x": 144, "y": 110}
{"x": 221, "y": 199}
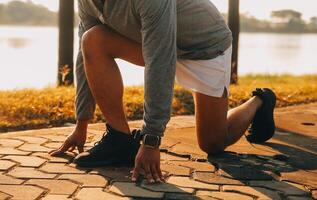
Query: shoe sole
{"x": 270, "y": 120}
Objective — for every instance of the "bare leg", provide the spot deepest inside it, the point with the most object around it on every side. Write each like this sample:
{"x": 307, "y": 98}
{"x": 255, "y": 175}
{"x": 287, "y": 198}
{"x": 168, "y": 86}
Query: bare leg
{"x": 240, "y": 118}
{"x": 216, "y": 127}
{"x": 100, "y": 48}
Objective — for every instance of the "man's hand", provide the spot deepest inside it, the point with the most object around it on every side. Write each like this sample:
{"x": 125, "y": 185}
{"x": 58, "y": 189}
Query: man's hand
{"x": 148, "y": 161}
{"x": 75, "y": 140}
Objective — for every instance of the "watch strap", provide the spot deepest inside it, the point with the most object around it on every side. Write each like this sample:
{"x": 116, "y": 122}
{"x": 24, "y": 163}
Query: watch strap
{"x": 152, "y": 141}
{"x": 147, "y": 139}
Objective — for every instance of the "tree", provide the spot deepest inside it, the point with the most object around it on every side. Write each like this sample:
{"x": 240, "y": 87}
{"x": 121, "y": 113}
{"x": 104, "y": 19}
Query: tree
{"x": 285, "y": 16}
{"x": 288, "y": 20}
{"x": 234, "y": 24}
{"x": 313, "y": 21}
{"x": 312, "y": 26}
{"x": 1, "y": 13}
{"x": 66, "y": 43}
{"x": 252, "y": 24}
{"x": 26, "y": 13}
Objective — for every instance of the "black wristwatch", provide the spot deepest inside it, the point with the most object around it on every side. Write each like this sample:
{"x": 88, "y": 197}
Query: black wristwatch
{"x": 152, "y": 141}
{"x": 148, "y": 140}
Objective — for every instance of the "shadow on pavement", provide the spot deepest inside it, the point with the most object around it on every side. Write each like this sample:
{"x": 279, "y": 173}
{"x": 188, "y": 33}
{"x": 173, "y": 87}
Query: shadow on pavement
{"x": 271, "y": 175}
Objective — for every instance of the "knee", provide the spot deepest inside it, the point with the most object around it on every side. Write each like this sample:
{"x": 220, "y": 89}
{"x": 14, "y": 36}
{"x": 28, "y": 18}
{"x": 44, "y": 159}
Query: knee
{"x": 212, "y": 148}
{"x": 91, "y": 40}
{"x": 214, "y": 143}
{"x": 90, "y": 37}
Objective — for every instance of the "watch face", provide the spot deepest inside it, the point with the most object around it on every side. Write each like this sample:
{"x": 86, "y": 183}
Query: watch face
{"x": 151, "y": 140}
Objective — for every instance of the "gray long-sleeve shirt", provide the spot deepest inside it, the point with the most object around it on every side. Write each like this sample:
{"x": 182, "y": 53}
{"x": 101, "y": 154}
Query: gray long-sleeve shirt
{"x": 167, "y": 30}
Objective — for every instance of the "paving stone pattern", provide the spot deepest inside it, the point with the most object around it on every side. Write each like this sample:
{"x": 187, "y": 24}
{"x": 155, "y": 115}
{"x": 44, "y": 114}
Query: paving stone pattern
{"x": 245, "y": 172}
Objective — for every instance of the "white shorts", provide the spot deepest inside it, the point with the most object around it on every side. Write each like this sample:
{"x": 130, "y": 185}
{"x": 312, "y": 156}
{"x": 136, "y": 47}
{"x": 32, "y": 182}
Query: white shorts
{"x": 209, "y": 77}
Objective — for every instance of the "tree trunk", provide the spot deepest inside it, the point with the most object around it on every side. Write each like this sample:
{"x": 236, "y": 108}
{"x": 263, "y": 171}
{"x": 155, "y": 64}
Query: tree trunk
{"x": 66, "y": 43}
{"x": 234, "y": 25}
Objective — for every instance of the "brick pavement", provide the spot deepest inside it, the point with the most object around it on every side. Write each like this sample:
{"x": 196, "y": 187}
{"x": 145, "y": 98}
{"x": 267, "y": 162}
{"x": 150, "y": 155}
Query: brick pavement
{"x": 283, "y": 168}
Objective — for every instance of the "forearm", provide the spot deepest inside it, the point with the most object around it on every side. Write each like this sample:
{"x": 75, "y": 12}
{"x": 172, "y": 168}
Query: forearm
{"x": 82, "y": 126}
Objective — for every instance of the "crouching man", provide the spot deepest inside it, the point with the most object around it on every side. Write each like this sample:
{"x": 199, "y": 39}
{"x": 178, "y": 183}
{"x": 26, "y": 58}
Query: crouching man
{"x": 185, "y": 39}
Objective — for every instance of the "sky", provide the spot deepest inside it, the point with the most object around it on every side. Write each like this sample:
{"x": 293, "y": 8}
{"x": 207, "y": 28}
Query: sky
{"x": 258, "y": 8}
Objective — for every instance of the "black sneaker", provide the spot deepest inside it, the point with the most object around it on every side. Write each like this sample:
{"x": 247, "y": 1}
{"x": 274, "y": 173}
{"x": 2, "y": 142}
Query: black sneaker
{"x": 263, "y": 125}
{"x": 114, "y": 149}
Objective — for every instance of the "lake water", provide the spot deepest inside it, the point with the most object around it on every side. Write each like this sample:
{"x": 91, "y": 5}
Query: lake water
{"x": 28, "y": 56}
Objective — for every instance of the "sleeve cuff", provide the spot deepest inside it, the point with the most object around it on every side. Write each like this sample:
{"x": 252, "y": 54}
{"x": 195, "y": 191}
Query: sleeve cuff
{"x": 148, "y": 130}
{"x": 84, "y": 115}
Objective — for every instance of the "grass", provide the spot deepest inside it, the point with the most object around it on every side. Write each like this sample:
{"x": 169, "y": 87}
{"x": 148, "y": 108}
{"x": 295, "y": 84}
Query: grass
{"x": 30, "y": 108}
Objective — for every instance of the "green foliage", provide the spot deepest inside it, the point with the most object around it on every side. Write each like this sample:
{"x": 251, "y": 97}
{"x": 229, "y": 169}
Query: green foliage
{"x": 26, "y": 13}
{"x": 312, "y": 24}
{"x": 286, "y": 14}
{"x": 289, "y": 21}
{"x": 283, "y": 21}
{"x": 26, "y": 109}
{"x": 252, "y": 24}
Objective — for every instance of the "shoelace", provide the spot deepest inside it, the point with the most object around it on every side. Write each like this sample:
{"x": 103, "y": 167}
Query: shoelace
{"x": 137, "y": 134}
{"x": 103, "y": 139}
{"x": 97, "y": 145}
{"x": 258, "y": 92}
